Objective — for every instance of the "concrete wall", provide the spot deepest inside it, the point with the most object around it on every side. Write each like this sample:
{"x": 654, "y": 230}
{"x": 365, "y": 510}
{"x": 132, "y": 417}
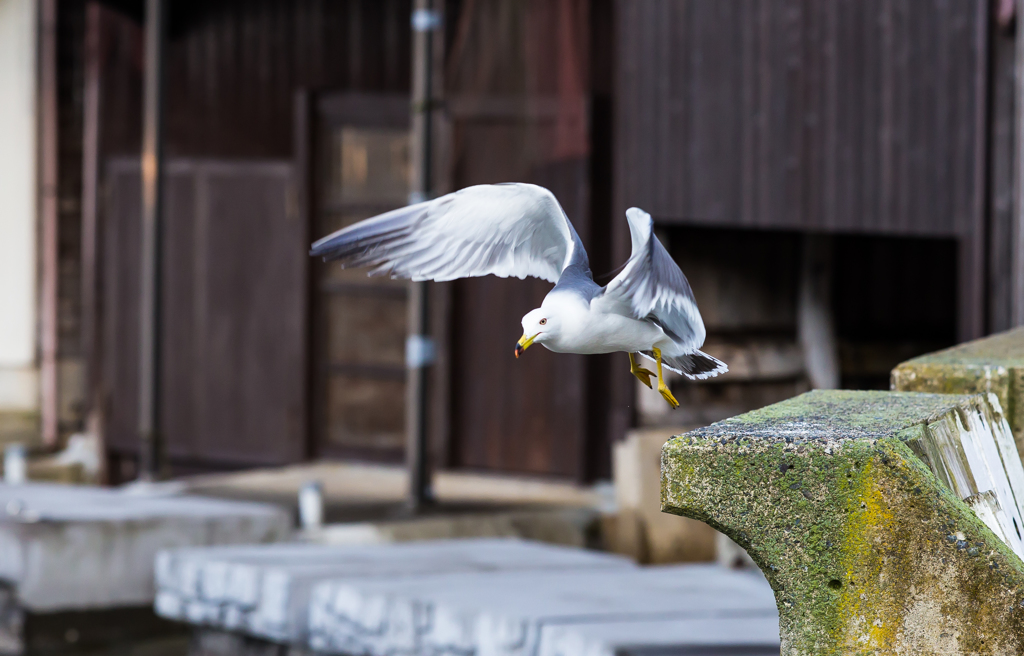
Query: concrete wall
{"x": 18, "y": 375}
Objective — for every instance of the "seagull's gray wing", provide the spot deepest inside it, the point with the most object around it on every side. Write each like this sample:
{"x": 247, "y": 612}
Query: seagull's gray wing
{"x": 506, "y": 230}
{"x": 652, "y": 286}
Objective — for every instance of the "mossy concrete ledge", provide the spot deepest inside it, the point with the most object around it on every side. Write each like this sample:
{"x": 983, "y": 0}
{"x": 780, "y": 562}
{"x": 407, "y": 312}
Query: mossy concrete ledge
{"x": 867, "y": 551}
{"x": 994, "y": 364}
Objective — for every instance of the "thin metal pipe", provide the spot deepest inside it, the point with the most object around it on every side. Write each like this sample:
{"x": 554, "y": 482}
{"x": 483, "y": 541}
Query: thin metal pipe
{"x": 419, "y": 347}
{"x": 91, "y": 116}
{"x": 49, "y": 126}
{"x": 152, "y": 228}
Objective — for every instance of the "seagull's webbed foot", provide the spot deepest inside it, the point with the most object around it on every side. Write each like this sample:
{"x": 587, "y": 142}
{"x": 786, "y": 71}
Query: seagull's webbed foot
{"x": 644, "y": 375}
{"x": 666, "y": 393}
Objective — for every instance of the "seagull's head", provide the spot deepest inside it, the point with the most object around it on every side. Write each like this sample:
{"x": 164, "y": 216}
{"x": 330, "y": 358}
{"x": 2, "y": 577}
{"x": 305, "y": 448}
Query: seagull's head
{"x": 539, "y": 326}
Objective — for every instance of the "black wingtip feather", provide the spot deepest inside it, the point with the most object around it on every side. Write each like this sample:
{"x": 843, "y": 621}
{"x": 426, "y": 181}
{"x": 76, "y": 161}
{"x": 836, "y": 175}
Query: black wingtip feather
{"x": 695, "y": 365}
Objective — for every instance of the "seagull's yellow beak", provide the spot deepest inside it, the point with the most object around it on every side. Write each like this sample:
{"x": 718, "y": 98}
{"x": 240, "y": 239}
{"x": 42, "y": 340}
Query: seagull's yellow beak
{"x": 524, "y": 343}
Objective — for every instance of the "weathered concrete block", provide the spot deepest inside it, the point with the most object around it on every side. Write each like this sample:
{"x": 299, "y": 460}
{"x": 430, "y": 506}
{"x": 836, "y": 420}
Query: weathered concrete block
{"x": 264, "y": 590}
{"x": 993, "y": 364}
{"x": 674, "y": 635}
{"x": 81, "y": 548}
{"x": 867, "y": 551}
{"x": 641, "y": 530}
{"x": 507, "y": 613}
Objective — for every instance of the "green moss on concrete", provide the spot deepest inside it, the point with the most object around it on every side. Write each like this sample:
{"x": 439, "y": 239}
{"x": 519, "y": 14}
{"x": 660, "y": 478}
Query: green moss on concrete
{"x": 868, "y": 553}
{"x": 833, "y": 415}
{"x": 1006, "y": 349}
{"x": 993, "y": 365}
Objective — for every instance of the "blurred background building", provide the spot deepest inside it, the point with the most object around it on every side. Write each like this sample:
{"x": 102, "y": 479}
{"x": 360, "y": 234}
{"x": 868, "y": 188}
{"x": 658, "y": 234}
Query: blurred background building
{"x": 835, "y": 178}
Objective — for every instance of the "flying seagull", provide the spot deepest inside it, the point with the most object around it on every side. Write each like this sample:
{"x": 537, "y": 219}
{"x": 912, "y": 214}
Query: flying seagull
{"x": 520, "y": 230}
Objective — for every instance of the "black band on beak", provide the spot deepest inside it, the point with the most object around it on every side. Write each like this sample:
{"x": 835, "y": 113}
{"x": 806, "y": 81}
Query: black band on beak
{"x": 524, "y": 343}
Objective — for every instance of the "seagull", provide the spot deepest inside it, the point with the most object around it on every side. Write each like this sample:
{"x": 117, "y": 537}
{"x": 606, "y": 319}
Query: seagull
{"x": 518, "y": 229}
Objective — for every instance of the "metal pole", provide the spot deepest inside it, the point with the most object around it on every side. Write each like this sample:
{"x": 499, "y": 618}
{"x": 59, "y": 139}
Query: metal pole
{"x": 152, "y": 227}
{"x": 419, "y": 349}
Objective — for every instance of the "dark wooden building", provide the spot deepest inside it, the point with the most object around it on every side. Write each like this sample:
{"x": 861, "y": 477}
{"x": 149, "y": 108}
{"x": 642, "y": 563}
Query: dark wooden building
{"x": 766, "y": 136}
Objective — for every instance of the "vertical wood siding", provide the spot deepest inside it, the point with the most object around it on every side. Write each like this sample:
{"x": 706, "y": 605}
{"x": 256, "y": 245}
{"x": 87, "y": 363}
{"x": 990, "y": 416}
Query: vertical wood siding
{"x": 846, "y": 115}
{"x": 234, "y": 313}
{"x": 233, "y": 67}
{"x": 236, "y": 380}
{"x": 517, "y": 85}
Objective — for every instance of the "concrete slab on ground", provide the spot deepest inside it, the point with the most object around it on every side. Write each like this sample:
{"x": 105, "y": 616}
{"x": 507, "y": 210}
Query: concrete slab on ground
{"x": 82, "y": 548}
{"x": 355, "y": 492}
{"x": 505, "y": 613}
{"x": 264, "y": 591}
{"x": 569, "y": 526}
{"x": 678, "y": 635}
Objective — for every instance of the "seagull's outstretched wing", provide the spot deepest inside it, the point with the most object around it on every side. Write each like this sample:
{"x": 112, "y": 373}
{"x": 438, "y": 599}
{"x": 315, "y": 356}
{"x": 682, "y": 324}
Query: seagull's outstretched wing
{"x": 651, "y": 286}
{"x": 506, "y": 230}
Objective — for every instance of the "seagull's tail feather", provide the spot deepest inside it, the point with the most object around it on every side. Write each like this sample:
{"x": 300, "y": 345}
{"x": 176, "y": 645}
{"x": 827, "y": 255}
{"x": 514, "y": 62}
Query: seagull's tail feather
{"x": 695, "y": 365}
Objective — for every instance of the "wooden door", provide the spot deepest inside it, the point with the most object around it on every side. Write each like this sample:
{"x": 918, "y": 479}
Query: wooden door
{"x": 360, "y": 160}
{"x": 234, "y": 313}
{"x": 519, "y": 108}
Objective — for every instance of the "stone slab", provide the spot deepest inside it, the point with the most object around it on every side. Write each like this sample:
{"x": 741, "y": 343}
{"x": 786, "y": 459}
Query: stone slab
{"x": 354, "y": 491}
{"x": 868, "y": 551}
{"x": 676, "y": 635}
{"x": 264, "y": 590}
{"x": 993, "y": 364}
{"x": 503, "y": 613}
{"x": 570, "y": 526}
{"x": 965, "y": 441}
{"x": 81, "y": 548}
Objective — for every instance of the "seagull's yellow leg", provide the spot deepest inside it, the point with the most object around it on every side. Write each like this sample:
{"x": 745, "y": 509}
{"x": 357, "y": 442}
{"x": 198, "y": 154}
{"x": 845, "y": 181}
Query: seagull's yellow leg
{"x": 643, "y": 374}
{"x": 662, "y": 387}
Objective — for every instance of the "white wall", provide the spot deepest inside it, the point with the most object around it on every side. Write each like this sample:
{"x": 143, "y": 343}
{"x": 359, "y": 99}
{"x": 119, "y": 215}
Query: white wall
{"x": 18, "y": 387}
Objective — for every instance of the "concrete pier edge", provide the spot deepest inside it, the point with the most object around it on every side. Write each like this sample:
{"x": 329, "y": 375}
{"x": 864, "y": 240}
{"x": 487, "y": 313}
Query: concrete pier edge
{"x": 866, "y": 550}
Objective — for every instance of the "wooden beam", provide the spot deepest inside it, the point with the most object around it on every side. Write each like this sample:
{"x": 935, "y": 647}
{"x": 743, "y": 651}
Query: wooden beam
{"x": 48, "y": 214}
{"x": 815, "y": 321}
{"x": 1017, "y": 263}
{"x": 971, "y": 264}
{"x": 152, "y": 220}
{"x": 1001, "y": 172}
{"x": 302, "y": 186}
{"x": 91, "y": 113}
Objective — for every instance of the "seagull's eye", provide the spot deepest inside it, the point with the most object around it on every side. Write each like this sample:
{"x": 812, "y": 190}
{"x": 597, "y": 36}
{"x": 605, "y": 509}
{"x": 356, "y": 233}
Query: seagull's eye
{"x": 543, "y": 322}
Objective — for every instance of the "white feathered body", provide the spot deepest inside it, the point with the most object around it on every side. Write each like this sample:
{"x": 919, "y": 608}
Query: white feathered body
{"x": 587, "y": 330}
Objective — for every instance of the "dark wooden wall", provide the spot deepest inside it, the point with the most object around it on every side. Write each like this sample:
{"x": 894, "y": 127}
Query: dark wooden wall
{"x": 234, "y": 315}
{"x": 1002, "y": 137}
{"x": 850, "y": 115}
{"x": 236, "y": 340}
{"x": 233, "y": 69}
{"x": 522, "y": 101}
{"x": 861, "y": 115}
